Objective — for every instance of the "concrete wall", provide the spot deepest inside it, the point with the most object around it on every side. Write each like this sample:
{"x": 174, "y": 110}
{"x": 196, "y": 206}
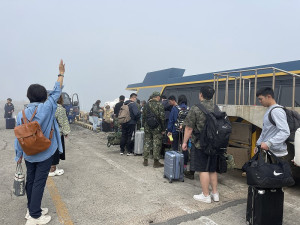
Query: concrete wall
{"x": 253, "y": 114}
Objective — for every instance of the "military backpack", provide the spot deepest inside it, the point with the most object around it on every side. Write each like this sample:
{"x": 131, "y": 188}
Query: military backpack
{"x": 151, "y": 118}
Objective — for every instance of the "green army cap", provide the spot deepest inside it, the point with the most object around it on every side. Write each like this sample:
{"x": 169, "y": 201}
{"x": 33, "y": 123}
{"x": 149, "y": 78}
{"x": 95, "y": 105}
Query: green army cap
{"x": 155, "y": 93}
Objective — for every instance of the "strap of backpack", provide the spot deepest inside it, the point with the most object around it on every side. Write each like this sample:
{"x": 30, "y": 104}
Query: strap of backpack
{"x": 270, "y": 115}
{"x": 202, "y": 108}
{"x": 24, "y": 119}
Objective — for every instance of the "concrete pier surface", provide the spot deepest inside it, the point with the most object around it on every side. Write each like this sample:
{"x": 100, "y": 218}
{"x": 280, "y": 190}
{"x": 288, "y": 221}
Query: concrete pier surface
{"x": 100, "y": 186}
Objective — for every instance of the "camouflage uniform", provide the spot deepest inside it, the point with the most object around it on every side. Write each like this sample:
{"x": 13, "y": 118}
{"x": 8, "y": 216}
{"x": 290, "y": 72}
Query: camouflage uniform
{"x": 196, "y": 120}
{"x": 153, "y": 137}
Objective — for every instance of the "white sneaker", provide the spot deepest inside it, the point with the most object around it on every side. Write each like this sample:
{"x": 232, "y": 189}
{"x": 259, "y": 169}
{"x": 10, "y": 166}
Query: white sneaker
{"x": 202, "y": 198}
{"x": 121, "y": 153}
{"x": 57, "y": 172}
{"x": 129, "y": 154}
{"x": 215, "y": 197}
{"x": 44, "y": 212}
{"x": 43, "y": 219}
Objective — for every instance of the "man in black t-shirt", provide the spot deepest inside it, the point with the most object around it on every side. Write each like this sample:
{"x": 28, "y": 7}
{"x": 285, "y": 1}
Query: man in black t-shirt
{"x": 116, "y": 112}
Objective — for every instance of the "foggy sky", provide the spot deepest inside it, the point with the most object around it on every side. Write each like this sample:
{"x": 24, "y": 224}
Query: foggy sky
{"x": 107, "y": 45}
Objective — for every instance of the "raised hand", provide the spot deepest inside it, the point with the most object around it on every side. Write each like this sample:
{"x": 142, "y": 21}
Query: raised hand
{"x": 61, "y": 67}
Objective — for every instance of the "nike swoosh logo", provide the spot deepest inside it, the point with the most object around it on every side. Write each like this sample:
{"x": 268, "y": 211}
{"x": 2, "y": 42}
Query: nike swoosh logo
{"x": 276, "y": 174}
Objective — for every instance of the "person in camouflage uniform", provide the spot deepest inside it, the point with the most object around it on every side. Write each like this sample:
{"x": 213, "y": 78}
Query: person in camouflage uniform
{"x": 153, "y": 137}
{"x": 200, "y": 162}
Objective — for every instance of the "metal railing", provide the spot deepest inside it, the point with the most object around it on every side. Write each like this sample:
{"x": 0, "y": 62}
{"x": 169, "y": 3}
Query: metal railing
{"x": 241, "y": 80}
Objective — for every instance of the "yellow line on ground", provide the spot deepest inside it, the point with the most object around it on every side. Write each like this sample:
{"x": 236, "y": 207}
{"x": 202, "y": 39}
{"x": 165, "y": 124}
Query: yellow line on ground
{"x": 61, "y": 209}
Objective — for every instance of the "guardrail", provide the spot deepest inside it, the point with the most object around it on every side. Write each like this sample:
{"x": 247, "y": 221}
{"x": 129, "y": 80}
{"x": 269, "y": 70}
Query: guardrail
{"x": 242, "y": 80}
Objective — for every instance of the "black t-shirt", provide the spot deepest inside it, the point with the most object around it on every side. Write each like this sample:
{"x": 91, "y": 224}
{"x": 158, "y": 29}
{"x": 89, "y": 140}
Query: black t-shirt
{"x": 118, "y": 107}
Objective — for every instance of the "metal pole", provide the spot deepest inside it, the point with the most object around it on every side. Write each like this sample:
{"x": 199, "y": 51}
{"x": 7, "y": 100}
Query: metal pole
{"x": 294, "y": 89}
{"x": 235, "y": 83}
{"x": 243, "y": 92}
{"x": 249, "y": 94}
{"x": 273, "y": 81}
{"x": 226, "y": 90}
{"x": 214, "y": 99}
{"x": 217, "y": 92}
{"x": 240, "y": 88}
{"x": 255, "y": 87}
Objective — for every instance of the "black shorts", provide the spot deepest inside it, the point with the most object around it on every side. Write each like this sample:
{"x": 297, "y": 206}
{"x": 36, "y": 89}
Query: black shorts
{"x": 203, "y": 162}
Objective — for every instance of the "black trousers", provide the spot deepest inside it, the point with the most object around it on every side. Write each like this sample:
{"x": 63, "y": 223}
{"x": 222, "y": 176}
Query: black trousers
{"x": 57, "y": 156}
{"x": 37, "y": 174}
{"x": 127, "y": 132}
{"x": 106, "y": 127}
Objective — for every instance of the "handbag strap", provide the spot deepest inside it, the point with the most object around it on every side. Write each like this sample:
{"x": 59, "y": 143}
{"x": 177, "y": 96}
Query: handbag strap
{"x": 19, "y": 168}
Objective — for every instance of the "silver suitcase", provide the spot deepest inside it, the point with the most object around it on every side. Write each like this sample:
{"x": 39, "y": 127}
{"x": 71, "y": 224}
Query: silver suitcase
{"x": 139, "y": 142}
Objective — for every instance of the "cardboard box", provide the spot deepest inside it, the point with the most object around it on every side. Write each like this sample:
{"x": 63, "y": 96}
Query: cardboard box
{"x": 240, "y": 156}
{"x": 241, "y": 133}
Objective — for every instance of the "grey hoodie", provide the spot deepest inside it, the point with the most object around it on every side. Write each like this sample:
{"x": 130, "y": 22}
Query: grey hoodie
{"x": 275, "y": 136}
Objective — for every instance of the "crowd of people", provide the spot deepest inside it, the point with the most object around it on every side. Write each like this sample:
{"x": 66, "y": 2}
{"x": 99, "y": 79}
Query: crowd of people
{"x": 170, "y": 118}
{"x": 161, "y": 118}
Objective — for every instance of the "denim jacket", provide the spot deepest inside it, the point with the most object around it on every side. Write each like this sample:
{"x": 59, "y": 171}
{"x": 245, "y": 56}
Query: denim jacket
{"x": 45, "y": 116}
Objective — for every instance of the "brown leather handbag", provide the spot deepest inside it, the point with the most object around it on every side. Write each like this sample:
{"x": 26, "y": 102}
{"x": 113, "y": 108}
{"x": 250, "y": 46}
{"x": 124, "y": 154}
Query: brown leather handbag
{"x": 31, "y": 137}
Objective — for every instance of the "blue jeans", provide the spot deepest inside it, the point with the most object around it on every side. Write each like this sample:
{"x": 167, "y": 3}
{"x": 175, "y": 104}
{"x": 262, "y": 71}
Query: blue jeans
{"x": 37, "y": 174}
{"x": 95, "y": 122}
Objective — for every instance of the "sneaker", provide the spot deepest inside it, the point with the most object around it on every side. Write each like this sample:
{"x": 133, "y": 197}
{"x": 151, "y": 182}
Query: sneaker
{"x": 215, "y": 196}
{"x": 121, "y": 153}
{"x": 44, "y": 212}
{"x": 129, "y": 154}
{"x": 43, "y": 219}
{"x": 202, "y": 198}
{"x": 57, "y": 172}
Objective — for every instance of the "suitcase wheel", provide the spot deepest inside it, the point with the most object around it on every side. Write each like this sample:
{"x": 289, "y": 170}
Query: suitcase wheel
{"x": 182, "y": 180}
{"x": 170, "y": 181}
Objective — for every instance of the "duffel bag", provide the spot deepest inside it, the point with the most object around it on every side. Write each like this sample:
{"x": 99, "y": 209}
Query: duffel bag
{"x": 268, "y": 171}
{"x": 114, "y": 139}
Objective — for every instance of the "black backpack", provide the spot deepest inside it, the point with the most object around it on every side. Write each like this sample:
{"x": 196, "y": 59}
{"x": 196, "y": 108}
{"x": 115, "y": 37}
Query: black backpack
{"x": 91, "y": 112}
{"x": 151, "y": 118}
{"x": 215, "y": 135}
{"x": 293, "y": 120}
{"x": 182, "y": 113}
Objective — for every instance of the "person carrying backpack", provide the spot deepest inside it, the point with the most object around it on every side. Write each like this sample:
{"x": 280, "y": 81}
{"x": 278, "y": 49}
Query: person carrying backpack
{"x": 176, "y": 119}
{"x": 201, "y": 162}
{"x": 39, "y": 113}
{"x": 128, "y": 117}
{"x": 154, "y": 123}
{"x": 275, "y": 129}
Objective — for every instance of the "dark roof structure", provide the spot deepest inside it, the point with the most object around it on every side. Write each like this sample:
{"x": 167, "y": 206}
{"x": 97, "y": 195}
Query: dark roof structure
{"x": 175, "y": 75}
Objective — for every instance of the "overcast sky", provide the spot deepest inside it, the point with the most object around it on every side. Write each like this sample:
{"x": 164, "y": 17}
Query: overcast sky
{"x": 107, "y": 45}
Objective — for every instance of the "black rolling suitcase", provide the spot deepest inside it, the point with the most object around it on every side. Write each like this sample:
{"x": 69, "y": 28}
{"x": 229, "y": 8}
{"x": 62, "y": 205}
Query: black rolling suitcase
{"x": 10, "y": 123}
{"x": 264, "y": 206}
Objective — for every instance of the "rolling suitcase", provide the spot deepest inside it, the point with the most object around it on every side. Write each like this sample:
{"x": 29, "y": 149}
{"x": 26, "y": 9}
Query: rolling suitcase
{"x": 10, "y": 123}
{"x": 139, "y": 142}
{"x": 264, "y": 206}
{"x": 173, "y": 166}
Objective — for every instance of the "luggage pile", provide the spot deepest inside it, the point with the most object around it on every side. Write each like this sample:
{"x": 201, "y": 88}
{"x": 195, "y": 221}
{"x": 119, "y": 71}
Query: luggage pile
{"x": 266, "y": 175}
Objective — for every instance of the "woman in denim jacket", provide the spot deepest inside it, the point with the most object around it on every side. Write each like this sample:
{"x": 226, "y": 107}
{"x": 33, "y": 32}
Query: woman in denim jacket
{"x": 38, "y": 165}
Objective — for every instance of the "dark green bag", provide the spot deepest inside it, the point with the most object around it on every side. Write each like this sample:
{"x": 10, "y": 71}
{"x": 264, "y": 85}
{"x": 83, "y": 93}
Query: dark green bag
{"x": 114, "y": 139}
